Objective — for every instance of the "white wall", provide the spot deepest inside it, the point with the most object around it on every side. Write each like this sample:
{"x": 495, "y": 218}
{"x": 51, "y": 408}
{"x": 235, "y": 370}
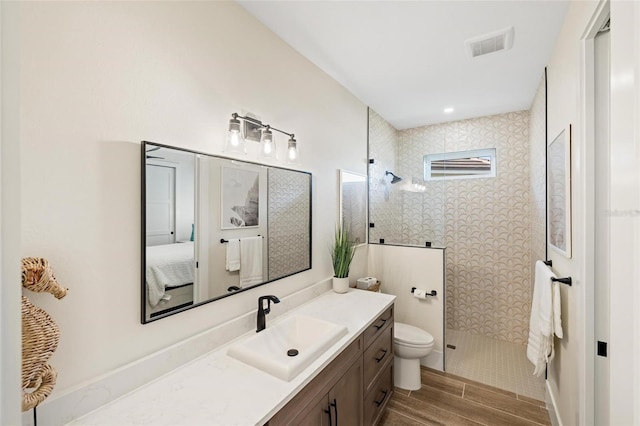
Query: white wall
{"x": 96, "y": 79}
{"x": 565, "y": 377}
{"x": 10, "y": 325}
{"x": 570, "y": 378}
{"x": 399, "y": 268}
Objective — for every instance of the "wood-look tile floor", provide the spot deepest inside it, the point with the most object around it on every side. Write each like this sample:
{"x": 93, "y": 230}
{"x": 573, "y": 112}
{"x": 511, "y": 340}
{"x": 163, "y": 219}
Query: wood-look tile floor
{"x": 445, "y": 399}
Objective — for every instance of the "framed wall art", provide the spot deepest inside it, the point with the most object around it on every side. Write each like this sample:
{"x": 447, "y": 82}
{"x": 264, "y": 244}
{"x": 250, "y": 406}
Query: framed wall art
{"x": 559, "y": 192}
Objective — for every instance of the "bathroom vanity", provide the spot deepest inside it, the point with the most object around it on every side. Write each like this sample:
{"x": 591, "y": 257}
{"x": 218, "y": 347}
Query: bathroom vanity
{"x": 354, "y": 389}
{"x": 351, "y": 380}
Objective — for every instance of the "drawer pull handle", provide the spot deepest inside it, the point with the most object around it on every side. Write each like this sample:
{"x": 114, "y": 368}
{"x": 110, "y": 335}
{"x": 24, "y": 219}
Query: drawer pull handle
{"x": 384, "y": 396}
{"x": 329, "y": 413}
{"x": 384, "y": 353}
{"x": 378, "y": 327}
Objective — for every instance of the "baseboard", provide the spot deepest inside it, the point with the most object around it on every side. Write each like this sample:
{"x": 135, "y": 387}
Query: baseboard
{"x": 552, "y": 407}
{"x": 73, "y": 404}
{"x": 435, "y": 360}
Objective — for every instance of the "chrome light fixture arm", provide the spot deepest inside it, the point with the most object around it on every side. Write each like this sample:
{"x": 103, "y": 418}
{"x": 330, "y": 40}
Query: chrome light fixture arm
{"x": 235, "y": 116}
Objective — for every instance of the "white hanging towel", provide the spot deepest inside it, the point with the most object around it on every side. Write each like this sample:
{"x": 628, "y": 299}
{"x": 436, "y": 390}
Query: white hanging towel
{"x": 233, "y": 255}
{"x": 543, "y": 320}
{"x": 557, "y": 319}
{"x": 250, "y": 261}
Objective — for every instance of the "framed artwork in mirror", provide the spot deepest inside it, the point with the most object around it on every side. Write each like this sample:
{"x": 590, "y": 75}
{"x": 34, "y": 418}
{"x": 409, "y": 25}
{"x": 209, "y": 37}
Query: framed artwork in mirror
{"x": 559, "y": 192}
{"x": 240, "y": 198}
{"x": 353, "y": 205}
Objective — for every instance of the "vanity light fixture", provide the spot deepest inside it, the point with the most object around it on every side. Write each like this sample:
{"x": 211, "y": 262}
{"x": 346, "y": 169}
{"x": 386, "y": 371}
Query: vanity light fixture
{"x": 448, "y": 110}
{"x": 268, "y": 149}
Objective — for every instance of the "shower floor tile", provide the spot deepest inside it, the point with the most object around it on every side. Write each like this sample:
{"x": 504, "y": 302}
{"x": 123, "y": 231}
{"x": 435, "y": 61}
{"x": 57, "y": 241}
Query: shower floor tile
{"x": 493, "y": 362}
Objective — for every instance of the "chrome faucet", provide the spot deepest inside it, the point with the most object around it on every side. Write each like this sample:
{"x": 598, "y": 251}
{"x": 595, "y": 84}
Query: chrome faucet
{"x": 262, "y": 311}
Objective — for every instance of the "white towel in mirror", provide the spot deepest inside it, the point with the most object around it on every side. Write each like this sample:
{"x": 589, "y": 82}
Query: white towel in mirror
{"x": 233, "y": 255}
{"x": 250, "y": 261}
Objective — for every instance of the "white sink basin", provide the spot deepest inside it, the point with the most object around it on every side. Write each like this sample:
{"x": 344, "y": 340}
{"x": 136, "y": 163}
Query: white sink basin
{"x": 267, "y": 350}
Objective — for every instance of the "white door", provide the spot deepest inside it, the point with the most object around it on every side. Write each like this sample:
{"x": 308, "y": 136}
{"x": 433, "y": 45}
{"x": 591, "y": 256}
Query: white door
{"x": 602, "y": 217}
{"x": 160, "y": 204}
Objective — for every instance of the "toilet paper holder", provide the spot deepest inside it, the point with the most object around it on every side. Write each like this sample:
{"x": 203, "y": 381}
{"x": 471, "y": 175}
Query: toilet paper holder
{"x": 433, "y": 292}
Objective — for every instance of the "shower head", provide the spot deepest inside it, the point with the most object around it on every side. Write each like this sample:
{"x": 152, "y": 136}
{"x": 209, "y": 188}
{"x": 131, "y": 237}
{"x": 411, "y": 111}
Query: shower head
{"x": 395, "y": 179}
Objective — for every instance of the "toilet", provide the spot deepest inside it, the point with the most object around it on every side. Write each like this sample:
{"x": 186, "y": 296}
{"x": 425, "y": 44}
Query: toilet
{"x": 410, "y": 344}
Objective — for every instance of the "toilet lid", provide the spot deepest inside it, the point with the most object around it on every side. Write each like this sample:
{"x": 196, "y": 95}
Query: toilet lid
{"x": 409, "y": 334}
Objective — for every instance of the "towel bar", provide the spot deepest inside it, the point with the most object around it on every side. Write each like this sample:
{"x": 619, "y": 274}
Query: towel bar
{"x": 222, "y": 240}
{"x": 566, "y": 280}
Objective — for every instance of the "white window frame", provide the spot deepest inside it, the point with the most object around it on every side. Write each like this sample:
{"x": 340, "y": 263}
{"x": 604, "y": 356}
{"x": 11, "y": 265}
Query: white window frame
{"x": 486, "y": 152}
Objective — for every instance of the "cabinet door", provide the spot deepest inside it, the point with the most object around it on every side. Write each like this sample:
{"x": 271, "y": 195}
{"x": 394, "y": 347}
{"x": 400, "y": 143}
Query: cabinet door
{"x": 316, "y": 414}
{"x": 345, "y": 398}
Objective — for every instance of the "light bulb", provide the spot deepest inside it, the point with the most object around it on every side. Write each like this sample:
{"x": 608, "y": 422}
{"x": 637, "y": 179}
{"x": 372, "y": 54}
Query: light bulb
{"x": 292, "y": 151}
{"x": 292, "y": 154}
{"x": 268, "y": 145}
{"x": 234, "y": 142}
{"x": 234, "y": 138}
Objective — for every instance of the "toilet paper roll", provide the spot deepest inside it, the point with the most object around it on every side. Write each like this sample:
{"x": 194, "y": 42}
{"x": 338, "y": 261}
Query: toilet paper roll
{"x": 420, "y": 293}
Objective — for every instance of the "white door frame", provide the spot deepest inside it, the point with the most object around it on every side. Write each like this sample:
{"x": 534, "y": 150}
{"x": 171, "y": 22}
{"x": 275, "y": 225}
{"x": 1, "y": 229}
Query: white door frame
{"x": 587, "y": 392}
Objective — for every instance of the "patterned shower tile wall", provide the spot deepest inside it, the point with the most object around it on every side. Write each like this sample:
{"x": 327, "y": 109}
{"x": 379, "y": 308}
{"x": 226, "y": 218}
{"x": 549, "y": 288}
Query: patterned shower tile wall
{"x": 484, "y": 223}
{"x": 423, "y": 213}
{"x": 537, "y": 159}
{"x": 384, "y": 198}
{"x": 289, "y": 207}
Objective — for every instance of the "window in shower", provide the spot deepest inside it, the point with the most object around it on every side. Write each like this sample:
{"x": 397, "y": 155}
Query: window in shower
{"x": 479, "y": 163}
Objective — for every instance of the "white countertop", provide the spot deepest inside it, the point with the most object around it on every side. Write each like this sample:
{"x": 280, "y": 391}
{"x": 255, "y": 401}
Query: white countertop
{"x": 216, "y": 389}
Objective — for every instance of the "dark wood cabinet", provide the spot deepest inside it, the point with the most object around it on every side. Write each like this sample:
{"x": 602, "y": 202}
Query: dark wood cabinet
{"x": 378, "y": 367}
{"x": 346, "y": 397}
{"x": 353, "y": 389}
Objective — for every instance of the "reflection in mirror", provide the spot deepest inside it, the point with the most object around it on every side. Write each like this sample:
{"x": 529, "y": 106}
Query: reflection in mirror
{"x": 353, "y": 205}
{"x": 215, "y": 226}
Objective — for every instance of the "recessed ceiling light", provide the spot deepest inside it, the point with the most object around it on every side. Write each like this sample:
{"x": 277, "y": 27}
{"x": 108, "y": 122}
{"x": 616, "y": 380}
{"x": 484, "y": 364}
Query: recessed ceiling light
{"x": 448, "y": 110}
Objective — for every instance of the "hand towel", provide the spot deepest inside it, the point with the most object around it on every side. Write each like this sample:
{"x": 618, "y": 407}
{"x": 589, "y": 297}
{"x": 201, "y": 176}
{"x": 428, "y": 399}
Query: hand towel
{"x": 250, "y": 261}
{"x": 557, "y": 320}
{"x": 233, "y": 255}
{"x": 540, "y": 342}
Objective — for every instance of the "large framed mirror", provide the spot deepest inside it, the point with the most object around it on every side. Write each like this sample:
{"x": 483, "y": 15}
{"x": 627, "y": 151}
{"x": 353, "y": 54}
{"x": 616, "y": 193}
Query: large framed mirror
{"x": 213, "y": 227}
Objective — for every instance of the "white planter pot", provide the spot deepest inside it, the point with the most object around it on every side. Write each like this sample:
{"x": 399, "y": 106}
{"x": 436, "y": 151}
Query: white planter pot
{"x": 340, "y": 285}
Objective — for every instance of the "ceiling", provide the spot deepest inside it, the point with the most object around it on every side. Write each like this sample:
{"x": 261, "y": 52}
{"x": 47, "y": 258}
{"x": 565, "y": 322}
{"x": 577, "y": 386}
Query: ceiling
{"x": 407, "y": 59}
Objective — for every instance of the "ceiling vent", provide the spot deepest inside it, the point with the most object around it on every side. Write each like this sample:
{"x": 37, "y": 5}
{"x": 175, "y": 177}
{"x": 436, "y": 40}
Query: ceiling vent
{"x": 489, "y": 43}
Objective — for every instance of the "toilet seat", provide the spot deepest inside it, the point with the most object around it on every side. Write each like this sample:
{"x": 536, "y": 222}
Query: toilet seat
{"x": 411, "y": 336}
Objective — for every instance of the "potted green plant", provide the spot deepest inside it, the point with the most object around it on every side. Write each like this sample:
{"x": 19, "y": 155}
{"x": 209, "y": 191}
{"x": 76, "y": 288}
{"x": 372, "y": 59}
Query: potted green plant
{"x": 342, "y": 255}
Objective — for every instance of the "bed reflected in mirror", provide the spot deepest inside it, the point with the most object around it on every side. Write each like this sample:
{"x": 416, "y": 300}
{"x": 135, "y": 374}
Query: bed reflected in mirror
{"x": 215, "y": 226}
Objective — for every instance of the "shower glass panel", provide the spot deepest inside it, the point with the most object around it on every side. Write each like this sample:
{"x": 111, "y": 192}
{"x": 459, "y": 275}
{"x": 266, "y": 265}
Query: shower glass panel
{"x": 404, "y": 208}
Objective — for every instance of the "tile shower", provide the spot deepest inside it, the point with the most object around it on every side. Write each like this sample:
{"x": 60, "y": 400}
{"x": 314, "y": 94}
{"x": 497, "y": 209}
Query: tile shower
{"x": 484, "y": 223}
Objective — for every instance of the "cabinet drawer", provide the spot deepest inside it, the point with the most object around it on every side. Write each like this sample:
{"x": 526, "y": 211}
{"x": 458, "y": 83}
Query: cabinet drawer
{"x": 377, "y": 355}
{"x": 376, "y": 400}
{"x": 375, "y": 329}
